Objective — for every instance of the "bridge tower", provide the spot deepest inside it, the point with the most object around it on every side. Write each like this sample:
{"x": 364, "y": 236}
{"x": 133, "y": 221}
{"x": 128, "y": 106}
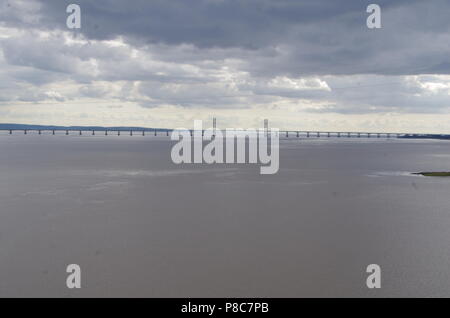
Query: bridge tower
{"x": 266, "y": 127}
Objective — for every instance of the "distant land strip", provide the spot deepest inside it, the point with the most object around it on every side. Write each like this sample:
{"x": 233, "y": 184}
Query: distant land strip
{"x": 96, "y": 128}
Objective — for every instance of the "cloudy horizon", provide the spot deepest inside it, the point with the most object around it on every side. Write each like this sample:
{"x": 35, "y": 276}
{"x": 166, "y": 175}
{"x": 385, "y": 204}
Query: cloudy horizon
{"x": 302, "y": 64}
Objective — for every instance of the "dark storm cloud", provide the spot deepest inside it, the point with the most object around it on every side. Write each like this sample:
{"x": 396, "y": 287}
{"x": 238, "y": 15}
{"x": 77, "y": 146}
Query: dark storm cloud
{"x": 230, "y": 53}
{"x": 313, "y": 37}
{"x": 206, "y": 23}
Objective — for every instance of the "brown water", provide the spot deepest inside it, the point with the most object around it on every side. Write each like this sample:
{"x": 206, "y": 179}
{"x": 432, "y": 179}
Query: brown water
{"x": 139, "y": 225}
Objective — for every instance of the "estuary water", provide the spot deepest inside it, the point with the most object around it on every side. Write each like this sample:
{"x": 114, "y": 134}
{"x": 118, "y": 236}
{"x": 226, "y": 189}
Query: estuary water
{"x": 140, "y": 226}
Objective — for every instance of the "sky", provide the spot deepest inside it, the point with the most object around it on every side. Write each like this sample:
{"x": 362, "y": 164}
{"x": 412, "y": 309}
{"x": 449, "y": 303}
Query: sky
{"x": 304, "y": 65}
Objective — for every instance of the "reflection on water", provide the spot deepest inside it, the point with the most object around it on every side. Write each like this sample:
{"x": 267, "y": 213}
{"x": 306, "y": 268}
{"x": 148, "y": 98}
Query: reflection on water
{"x": 138, "y": 225}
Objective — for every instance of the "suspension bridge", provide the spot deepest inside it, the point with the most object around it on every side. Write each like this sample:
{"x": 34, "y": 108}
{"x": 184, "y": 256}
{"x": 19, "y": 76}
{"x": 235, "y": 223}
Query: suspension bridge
{"x": 132, "y": 131}
{"x": 167, "y": 132}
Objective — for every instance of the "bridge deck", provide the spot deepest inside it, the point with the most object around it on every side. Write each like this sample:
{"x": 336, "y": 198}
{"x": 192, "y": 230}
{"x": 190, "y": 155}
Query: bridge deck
{"x": 283, "y": 133}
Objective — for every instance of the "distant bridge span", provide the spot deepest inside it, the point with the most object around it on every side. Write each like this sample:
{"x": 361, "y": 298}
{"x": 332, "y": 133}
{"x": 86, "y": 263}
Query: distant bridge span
{"x": 166, "y": 132}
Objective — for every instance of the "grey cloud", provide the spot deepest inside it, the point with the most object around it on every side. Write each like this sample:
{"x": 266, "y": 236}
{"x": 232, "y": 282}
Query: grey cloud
{"x": 215, "y": 53}
{"x": 318, "y": 37}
